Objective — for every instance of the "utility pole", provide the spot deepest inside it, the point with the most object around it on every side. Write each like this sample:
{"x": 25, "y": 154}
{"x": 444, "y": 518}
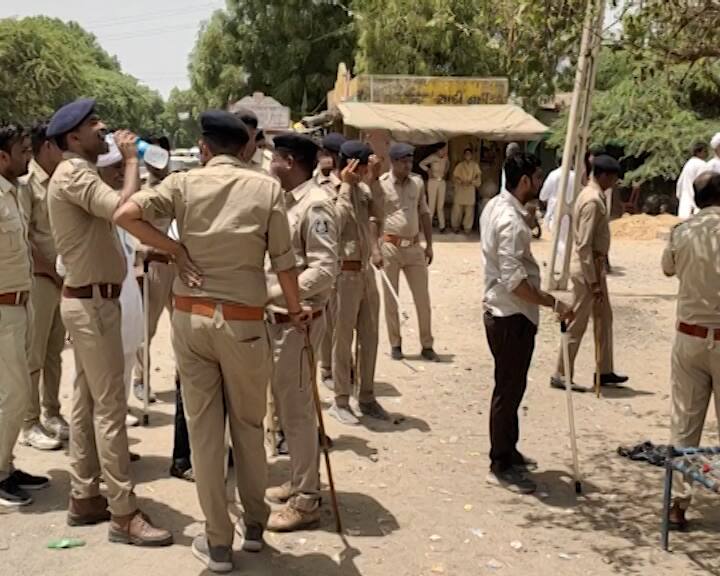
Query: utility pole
{"x": 576, "y": 141}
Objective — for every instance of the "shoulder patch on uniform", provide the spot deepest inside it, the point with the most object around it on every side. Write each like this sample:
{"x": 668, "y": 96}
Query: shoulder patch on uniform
{"x": 321, "y": 226}
{"x": 385, "y": 176}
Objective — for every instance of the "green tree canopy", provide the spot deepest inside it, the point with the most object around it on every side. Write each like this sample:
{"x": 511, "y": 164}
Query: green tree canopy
{"x": 45, "y": 62}
{"x": 289, "y": 49}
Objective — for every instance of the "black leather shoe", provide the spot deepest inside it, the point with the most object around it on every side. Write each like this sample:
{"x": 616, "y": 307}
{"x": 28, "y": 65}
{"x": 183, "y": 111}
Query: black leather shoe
{"x": 430, "y": 355}
{"x": 612, "y": 379}
{"x": 397, "y": 353}
{"x": 559, "y": 384}
{"x": 182, "y": 470}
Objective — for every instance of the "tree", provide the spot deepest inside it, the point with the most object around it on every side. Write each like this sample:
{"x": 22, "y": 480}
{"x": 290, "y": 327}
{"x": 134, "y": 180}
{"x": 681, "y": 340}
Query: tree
{"x": 45, "y": 62}
{"x": 289, "y": 49}
{"x": 525, "y": 40}
{"x": 181, "y": 118}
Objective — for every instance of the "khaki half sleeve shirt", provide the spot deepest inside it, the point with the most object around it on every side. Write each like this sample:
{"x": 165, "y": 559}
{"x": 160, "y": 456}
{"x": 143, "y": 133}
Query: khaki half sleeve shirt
{"x": 436, "y": 166}
{"x": 693, "y": 255}
{"x": 404, "y": 203}
{"x": 311, "y": 216}
{"x": 228, "y": 216}
{"x": 81, "y": 208}
{"x": 15, "y": 262}
{"x": 35, "y": 206}
{"x": 592, "y": 232}
{"x": 356, "y": 206}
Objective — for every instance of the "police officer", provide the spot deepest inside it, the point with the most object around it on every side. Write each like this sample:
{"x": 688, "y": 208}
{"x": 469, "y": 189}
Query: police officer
{"x": 15, "y": 284}
{"x": 48, "y": 334}
{"x": 328, "y": 175}
{"x": 314, "y": 237}
{"x": 229, "y": 217}
{"x": 589, "y": 272}
{"x": 693, "y": 255}
{"x": 81, "y": 207}
{"x": 359, "y": 209}
{"x": 436, "y": 166}
{"x": 406, "y": 210}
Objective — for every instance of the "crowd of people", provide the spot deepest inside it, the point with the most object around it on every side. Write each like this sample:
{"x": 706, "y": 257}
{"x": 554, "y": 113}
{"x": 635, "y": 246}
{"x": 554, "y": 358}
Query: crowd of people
{"x": 266, "y": 261}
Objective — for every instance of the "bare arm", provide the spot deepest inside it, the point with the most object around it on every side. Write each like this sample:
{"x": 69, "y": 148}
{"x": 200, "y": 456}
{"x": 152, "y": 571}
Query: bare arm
{"x": 529, "y": 293}
{"x": 42, "y": 266}
{"x": 291, "y": 291}
{"x": 125, "y": 141}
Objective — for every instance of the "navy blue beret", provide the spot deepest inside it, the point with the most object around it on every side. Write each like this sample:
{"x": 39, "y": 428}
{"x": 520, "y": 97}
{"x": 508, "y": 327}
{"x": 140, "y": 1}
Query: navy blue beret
{"x": 333, "y": 142}
{"x": 221, "y": 123}
{"x": 295, "y": 142}
{"x": 606, "y": 164}
{"x": 356, "y": 150}
{"x": 70, "y": 116}
{"x": 400, "y": 150}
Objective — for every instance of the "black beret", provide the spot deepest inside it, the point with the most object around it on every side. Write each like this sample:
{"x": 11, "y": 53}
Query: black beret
{"x": 247, "y": 116}
{"x": 221, "y": 123}
{"x": 294, "y": 142}
{"x": 333, "y": 142}
{"x": 400, "y": 150}
{"x": 70, "y": 116}
{"x": 605, "y": 164}
{"x": 356, "y": 150}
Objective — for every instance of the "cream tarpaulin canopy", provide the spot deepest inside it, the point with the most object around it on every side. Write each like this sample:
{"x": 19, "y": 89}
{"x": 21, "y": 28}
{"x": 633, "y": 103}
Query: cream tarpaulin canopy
{"x": 420, "y": 124}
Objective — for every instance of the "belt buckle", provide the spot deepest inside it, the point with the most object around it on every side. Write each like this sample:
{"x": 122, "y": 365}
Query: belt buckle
{"x": 404, "y": 243}
{"x": 19, "y": 298}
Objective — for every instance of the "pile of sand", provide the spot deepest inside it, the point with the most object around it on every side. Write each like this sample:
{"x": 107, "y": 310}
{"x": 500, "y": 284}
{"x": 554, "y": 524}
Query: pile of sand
{"x": 642, "y": 226}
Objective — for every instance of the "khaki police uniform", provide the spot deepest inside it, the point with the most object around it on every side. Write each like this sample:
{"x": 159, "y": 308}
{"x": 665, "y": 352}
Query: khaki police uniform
{"x": 228, "y": 218}
{"x": 358, "y": 300}
{"x": 331, "y": 184}
{"x": 588, "y": 267}
{"x": 311, "y": 216}
{"x": 81, "y": 208}
{"x": 15, "y": 284}
{"x": 404, "y": 205}
{"x": 693, "y": 255}
{"x": 437, "y": 168}
{"x": 160, "y": 281}
{"x": 48, "y": 333}
{"x": 467, "y": 177}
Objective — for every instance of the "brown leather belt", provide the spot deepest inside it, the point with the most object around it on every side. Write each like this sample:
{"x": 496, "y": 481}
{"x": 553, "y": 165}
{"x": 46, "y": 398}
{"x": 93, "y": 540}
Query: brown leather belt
{"x": 280, "y": 318}
{"x": 14, "y": 298}
{"x": 107, "y": 291}
{"x": 399, "y": 241}
{"x": 697, "y": 331}
{"x": 206, "y": 307}
{"x": 351, "y": 266}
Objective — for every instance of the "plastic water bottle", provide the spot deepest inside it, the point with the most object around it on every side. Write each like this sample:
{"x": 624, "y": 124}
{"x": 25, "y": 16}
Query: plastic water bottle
{"x": 152, "y": 155}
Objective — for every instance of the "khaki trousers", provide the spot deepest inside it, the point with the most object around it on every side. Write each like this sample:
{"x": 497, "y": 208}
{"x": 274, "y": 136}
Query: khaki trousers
{"x": 224, "y": 361}
{"x": 98, "y": 436}
{"x": 695, "y": 377}
{"x": 436, "y": 199}
{"x": 584, "y": 306}
{"x": 411, "y": 261}
{"x": 46, "y": 346}
{"x": 325, "y": 351}
{"x": 464, "y": 213}
{"x": 293, "y": 392}
{"x": 14, "y": 382}
{"x": 160, "y": 279}
{"x": 358, "y": 308}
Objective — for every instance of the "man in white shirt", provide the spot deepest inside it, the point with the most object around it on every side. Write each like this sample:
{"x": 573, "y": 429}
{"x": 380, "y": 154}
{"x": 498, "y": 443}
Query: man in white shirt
{"x": 684, "y": 190}
{"x": 549, "y": 192}
{"x": 714, "y": 163}
{"x": 512, "y": 300}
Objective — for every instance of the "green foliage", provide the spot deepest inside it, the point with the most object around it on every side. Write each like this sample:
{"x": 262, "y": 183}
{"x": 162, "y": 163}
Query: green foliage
{"x": 289, "y": 49}
{"x": 45, "y": 63}
{"x": 181, "y": 118}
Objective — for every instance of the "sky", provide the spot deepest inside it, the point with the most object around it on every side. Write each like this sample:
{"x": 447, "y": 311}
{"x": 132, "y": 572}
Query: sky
{"x": 151, "y": 39}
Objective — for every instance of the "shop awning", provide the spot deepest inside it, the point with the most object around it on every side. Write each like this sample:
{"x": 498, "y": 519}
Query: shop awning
{"x": 420, "y": 124}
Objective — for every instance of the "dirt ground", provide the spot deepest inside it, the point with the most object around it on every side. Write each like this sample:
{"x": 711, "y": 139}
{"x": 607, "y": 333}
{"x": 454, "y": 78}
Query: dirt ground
{"x": 413, "y": 494}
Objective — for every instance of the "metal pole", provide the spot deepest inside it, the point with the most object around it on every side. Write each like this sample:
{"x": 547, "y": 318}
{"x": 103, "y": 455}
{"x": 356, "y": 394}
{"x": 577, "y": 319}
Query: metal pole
{"x": 146, "y": 341}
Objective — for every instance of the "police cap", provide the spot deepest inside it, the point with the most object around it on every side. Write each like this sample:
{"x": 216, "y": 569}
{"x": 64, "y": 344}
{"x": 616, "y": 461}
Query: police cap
{"x": 356, "y": 150}
{"x": 296, "y": 143}
{"x": 70, "y": 116}
{"x": 333, "y": 142}
{"x": 400, "y": 150}
{"x": 223, "y": 125}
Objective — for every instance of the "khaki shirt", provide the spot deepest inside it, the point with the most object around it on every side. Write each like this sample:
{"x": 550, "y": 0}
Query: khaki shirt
{"x": 331, "y": 183}
{"x": 466, "y": 176}
{"x": 311, "y": 216}
{"x": 356, "y": 206}
{"x": 693, "y": 255}
{"x": 228, "y": 218}
{"x": 592, "y": 232}
{"x": 15, "y": 262}
{"x": 81, "y": 208}
{"x": 35, "y": 206}
{"x": 405, "y": 203}
{"x": 436, "y": 166}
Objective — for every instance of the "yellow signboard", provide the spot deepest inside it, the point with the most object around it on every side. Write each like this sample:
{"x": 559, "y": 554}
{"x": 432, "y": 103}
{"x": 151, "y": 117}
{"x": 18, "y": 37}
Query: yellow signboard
{"x": 430, "y": 90}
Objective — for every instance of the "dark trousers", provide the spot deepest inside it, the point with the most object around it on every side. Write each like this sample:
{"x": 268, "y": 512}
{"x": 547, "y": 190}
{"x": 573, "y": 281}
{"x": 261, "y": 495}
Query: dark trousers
{"x": 181, "y": 446}
{"x": 512, "y": 341}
